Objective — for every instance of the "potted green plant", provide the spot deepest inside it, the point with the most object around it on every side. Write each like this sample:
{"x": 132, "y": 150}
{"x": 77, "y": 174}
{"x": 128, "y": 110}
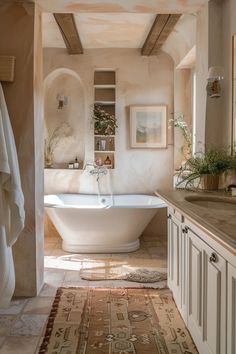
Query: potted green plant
{"x": 205, "y": 168}
{"x": 104, "y": 122}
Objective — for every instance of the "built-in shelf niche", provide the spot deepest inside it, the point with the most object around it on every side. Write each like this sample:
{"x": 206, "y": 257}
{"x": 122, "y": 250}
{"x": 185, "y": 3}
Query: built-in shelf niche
{"x": 105, "y": 97}
{"x": 104, "y": 77}
{"x": 105, "y": 94}
{"x": 104, "y": 143}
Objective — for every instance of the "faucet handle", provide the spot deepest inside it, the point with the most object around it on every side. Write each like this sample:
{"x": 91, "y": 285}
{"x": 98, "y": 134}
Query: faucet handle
{"x": 89, "y": 163}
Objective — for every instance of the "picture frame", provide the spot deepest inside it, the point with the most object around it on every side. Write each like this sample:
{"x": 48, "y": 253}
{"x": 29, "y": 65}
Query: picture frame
{"x": 148, "y": 126}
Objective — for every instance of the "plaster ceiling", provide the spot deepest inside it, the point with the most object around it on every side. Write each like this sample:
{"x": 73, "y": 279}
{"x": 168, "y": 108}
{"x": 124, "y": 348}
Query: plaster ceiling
{"x": 139, "y": 6}
{"x": 97, "y": 30}
{"x": 113, "y": 23}
{"x": 182, "y": 39}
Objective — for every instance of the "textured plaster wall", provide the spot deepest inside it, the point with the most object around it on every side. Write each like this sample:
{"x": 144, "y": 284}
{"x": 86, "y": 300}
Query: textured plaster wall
{"x": 178, "y": 45}
{"x": 229, "y": 29}
{"x": 183, "y": 105}
{"x": 216, "y": 25}
{"x": 65, "y": 83}
{"x": 140, "y": 80}
{"x": 201, "y": 75}
{"x": 133, "y": 6}
{"x": 20, "y": 24}
{"x": 215, "y": 122}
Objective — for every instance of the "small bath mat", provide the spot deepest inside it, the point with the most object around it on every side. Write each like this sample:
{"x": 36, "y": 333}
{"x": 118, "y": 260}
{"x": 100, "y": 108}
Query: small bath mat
{"x": 112, "y": 321}
{"x": 140, "y": 271}
{"x": 145, "y": 276}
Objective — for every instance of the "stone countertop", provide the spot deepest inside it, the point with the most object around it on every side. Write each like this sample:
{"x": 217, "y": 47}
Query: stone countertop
{"x": 220, "y": 223}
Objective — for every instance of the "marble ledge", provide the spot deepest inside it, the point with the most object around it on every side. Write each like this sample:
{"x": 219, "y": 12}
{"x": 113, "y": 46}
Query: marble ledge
{"x": 220, "y": 224}
{"x": 63, "y": 169}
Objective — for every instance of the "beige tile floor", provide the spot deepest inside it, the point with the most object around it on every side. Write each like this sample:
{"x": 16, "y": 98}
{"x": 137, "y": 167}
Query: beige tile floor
{"x": 22, "y": 324}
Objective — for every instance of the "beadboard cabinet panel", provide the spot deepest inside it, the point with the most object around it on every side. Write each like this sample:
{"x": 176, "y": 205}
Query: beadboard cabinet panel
{"x": 231, "y": 318}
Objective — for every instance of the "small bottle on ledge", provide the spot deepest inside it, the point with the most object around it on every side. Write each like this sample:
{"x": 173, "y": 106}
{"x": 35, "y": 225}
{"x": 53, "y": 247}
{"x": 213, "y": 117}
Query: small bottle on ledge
{"x": 98, "y": 145}
{"x": 107, "y": 161}
{"x": 70, "y": 165}
{"x": 76, "y": 163}
{"x": 111, "y": 144}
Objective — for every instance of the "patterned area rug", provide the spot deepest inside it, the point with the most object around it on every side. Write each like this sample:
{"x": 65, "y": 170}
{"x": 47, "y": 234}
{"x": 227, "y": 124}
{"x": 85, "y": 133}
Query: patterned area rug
{"x": 136, "y": 270}
{"x": 115, "y": 321}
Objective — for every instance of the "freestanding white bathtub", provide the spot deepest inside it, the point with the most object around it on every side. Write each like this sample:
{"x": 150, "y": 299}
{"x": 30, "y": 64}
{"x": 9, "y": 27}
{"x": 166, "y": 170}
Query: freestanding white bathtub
{"x": 101, "y": 224}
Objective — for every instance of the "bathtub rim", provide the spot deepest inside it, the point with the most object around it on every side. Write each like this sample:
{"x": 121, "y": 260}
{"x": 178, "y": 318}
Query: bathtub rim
{"x": 103, "y": 206}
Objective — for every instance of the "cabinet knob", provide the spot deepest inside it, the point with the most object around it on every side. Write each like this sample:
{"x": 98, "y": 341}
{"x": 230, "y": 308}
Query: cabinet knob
{"x": 213, "y": 258}
{"x": 185, "y": 230}
{"x": 169, "y": 216}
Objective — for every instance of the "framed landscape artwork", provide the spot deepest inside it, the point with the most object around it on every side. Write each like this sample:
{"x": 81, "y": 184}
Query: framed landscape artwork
{"x": 148, "y": 126}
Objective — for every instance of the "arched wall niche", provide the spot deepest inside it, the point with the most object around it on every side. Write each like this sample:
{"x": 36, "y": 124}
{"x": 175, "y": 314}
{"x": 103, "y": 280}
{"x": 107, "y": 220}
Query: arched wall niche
{"x": 67, "y": 119}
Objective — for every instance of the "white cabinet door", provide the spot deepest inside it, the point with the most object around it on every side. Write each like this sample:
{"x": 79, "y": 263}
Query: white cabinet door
{"x": 183, "y": 273}
{"x": 214, "y": 301}
{"x": 231, "y": 320}
{"x": 177, "y": 263}
{"x": 206, "y": 297}
{"x": 174, "y": 257}
{"x": 195, "y": 283}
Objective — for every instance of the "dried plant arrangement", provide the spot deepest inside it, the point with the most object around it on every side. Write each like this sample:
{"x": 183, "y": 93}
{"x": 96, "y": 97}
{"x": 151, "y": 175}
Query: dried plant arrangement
{"x": 50, "y": 143}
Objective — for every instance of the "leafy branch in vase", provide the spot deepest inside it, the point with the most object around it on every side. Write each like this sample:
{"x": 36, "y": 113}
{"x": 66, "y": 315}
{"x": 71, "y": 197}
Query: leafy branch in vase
{"x": 51, "y": 142}
{"x": 180, "y": 123}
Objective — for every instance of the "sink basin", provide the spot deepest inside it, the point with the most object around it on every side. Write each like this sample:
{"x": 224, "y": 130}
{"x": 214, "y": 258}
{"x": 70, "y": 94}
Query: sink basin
{"x": 212, "y": 202}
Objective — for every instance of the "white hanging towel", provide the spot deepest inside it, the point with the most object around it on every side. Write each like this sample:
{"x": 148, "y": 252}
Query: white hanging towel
{"x": 12, "y": 213}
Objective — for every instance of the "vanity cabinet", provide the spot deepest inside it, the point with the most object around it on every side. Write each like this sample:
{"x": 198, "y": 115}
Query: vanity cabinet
{"x": 231, "y": 318}
{"x": 206, "y": 272}
{"x": 197, "y": 276}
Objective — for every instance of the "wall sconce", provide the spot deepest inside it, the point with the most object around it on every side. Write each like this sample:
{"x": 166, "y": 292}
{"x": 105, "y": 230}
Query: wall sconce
{"x": 62, "y": 101}
{"x": 215, "y": 76}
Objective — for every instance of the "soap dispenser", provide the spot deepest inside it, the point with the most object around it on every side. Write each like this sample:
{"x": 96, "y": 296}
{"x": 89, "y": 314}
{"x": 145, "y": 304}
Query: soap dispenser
{"x": 76, "y": 163}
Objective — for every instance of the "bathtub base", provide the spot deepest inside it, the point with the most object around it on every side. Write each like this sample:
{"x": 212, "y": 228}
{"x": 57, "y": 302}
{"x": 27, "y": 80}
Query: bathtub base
{"x": 102, "y": 248}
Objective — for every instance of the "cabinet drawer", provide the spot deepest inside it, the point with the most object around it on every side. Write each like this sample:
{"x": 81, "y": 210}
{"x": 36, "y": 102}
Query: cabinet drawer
{"x": 176, "y": 214}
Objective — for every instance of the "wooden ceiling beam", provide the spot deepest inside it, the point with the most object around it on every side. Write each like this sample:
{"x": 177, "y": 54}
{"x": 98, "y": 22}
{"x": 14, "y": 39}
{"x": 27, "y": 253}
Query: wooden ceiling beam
{"x": 68, "y": 29}
{"x": 161, "y": 29}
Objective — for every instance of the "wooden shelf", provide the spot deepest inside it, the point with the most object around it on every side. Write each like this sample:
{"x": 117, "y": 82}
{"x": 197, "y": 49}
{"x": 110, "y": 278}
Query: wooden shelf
{"x": 104, "y": 136}
{"x": 63, "y": 168}
{"x": 104, "y": 86}
{"x": 105, "y": 103}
